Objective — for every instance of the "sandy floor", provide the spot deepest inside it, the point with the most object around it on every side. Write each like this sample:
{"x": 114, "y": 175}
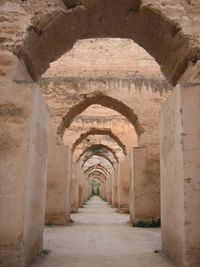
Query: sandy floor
{"x": 99, "y": 237}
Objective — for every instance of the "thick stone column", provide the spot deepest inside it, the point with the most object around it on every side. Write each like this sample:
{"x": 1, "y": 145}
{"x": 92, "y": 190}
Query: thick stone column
{"x": 109, "y": 191}
{"x": 123, "y": 186}
{"x": 103, "y": 191}
{"x": 180, "y": 175}
{"x": 58, "y": 205}
{"x": 74, "y": 188}
{"x": 144, "y": 206}
{"x": 132, "y": 189}
{"x": 90, "y": 191}
{"x": 87, "y": 190}
{"x": 80, "y": 188}
{"x": 23, "y": 169}
{"x": 115, "y": 188}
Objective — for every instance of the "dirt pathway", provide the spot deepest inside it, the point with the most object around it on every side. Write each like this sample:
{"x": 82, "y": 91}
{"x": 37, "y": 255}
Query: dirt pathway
{"x": 99, "y": 237}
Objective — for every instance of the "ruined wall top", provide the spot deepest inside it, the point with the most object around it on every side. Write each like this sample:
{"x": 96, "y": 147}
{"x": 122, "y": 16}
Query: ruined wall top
{"x": 105, "y": 57}
{"x": 167, "y": 29}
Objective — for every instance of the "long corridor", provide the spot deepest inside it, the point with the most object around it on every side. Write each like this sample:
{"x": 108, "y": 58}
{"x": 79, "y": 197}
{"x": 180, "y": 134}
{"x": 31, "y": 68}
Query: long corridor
{"x": 100, "y": 237}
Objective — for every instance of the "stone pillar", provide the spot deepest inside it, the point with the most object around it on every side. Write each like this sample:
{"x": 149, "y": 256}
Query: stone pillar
{"x": 85, "y": 191}
{"x": 23, "y": 169}
{"x": 103, "y": 191}
{"x": 80, "y": 188}
{"x": 180, "y": 175}
{"x": 131, "y": 189}
{"x": 74, "y": 188}
{"x": 144, "y": 205}
{"x": 58, "y": 205}
{"x": 115, "y": 188}
{"x": 123, "y": 186}
{"x": 88, "y": 190}
{"x": 108, "y": 191}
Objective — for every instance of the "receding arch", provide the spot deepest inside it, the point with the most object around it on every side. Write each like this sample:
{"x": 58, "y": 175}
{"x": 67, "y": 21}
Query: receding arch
{"x": 96, "y": 131}
{"x": 148, "y": 25}
{"x": 95, "y": 179}
{"x": 99, "y": 166}
{"x": 106, "y": 101}
{"x": 97, "y": 174}
{"x": 117, "y": 150}
{"x": 98, "y": 149}
{"x": 96, "y": 169}
{"x": 113, "y": 164}
{"x": 104, "y": 161}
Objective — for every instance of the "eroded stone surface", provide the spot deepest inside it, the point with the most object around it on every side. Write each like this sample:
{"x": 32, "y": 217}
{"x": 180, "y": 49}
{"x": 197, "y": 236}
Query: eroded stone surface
{"x": 130, "y": 83}
{"x": 172, "y": 37}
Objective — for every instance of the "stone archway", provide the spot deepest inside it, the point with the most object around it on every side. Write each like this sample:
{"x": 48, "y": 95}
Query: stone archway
{"x": 105, "y": 101}
{"x": 148, "y": 25}
{"x": 98, "y": 139}
{"x": 105, "y": 177}
{"x": 107, "y": 162}
{"x": 96, "y": 169}
{"x": 97, "y": 131}
{"x": 105, "y": 156}
{"x": 98, "y": 166}
{"x": 98, "y": 174}
{"x": 98, "y": 149}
